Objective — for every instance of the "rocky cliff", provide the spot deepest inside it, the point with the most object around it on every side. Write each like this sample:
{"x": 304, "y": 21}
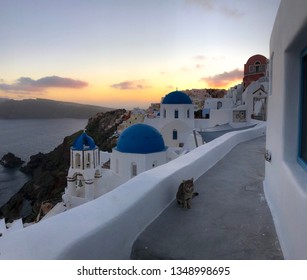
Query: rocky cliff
{"x": 49, "y": 170}
{"x": 9, "y": 160}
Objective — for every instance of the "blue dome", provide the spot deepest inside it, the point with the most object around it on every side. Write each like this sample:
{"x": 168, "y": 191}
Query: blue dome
{"x": 140, "y": 139}
{"x": 177, "y": 97}
{"x": 84, "y": 142}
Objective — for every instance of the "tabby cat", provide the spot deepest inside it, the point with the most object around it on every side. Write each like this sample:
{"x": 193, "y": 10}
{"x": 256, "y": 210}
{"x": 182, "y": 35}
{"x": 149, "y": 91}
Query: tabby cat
{"x": 185, "y": 193}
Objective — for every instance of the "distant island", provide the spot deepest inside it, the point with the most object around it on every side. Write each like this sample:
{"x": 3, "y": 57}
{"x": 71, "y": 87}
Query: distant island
{"x": 45, "y": 108}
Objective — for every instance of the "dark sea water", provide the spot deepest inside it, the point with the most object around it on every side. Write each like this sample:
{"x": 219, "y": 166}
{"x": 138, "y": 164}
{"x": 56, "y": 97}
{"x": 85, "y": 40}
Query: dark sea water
{"x": 28, "y": 137}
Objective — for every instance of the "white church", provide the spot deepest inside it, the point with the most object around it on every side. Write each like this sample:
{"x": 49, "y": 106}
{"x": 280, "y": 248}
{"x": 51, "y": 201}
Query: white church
{"x": 139, "y": 148}
{"x": 176, "y": 122}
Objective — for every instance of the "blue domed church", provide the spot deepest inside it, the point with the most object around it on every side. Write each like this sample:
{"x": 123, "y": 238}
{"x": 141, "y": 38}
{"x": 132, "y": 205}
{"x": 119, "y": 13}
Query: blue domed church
{"x": 84, "y": 173}
{"x": 176, "y": 122}
{"x": 139, "y": 148}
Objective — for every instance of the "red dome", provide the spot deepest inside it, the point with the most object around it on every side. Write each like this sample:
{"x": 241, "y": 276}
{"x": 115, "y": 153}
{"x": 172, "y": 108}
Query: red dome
{"x": 254, "y": 69}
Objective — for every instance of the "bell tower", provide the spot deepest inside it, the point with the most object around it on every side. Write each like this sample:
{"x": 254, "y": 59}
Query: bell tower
{"x": 84, "y": 169}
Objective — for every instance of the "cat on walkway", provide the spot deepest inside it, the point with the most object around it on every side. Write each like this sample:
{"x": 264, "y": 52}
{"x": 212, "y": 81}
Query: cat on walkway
{"x": 185, "y": 193}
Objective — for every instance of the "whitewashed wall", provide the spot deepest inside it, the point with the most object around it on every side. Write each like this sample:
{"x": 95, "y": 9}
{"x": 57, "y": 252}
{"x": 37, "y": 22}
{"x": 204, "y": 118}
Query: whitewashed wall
{"x": 220, "y": 117}
{"x": 286, "y": 181}
{"x": 106, "y": 228}
{"x": 182, "y": 113}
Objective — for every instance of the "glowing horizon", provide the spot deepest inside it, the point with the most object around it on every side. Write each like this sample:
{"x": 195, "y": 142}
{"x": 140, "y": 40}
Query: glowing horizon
{"x": 129, "y": 53}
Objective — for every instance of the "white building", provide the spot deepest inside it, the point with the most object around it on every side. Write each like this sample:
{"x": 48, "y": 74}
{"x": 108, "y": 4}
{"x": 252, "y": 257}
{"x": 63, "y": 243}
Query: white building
{"x": 237, "y": 108}
{"x": 235, "y": 111}
{"x": 255, "y": 98}
{"x": 83, "y": 179}
{"x": 139, "y": 148}
{"x": 286, "y": 166}
{"x": 235, "y": 93}
{"x": 176, "y": 122}
{"x": 217, "y": 111}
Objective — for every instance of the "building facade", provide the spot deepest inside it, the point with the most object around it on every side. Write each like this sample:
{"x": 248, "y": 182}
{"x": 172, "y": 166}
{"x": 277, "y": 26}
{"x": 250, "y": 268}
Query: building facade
{"x": 83, "y": 179}
{"x": 286, "y": 165}
{"x": 176, "y": 121}
{"x": 254, "y": 69}
{"x": 139, "y": 148}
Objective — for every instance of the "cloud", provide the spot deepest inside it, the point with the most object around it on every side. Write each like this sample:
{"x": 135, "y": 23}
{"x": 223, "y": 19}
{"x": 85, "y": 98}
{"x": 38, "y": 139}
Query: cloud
{"x": 231, "y": 12}
{"x": 223, "y": 79}
{"x": 28, "y": 85}
{"x": 218, "y": 6}
{"x": 206, "y": 4}
{"x": 55, "y": 81}
{"x": 200, "y": 57}
{"x": 127, "y": 85}
{"x": 198, "y": 66}
{"x": 202, "y": 61}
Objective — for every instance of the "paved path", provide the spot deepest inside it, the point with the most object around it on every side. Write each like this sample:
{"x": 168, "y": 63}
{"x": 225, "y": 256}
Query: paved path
{"x": 230, "y": 218}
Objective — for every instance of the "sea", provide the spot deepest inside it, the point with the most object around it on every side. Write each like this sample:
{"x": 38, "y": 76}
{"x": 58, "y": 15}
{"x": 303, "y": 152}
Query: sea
{"x": 29, "y": 137}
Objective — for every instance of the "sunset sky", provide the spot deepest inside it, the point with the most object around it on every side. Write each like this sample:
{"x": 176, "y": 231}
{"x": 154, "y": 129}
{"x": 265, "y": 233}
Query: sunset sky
{"x": 127, "y": 53}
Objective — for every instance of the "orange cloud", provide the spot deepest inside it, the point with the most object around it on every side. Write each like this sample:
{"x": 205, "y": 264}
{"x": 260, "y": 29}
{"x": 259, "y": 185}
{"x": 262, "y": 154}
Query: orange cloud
{"x": 135, "y": 84}
{"x": 28, "y": 85}
{"x": 224, "y": 79}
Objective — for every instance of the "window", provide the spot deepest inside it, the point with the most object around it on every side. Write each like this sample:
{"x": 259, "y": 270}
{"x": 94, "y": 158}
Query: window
{"x": 303, "y": 114}
{"x": 257, "y": 66}
{"x": 78, "y": 161}
{"x": 176, "y": 114}
{"x": 133, "y": 169}
{"x": 188, "y": 113}
{"x": 88, "y": 161}
{"x": 206, "y": 113}
{"x": 219, "y": 105}
{"x": 164, "y": 113}
{"x": 239, "y": 116}
{"x": 259, "y": 108}
{"x": 175, "y": 134}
